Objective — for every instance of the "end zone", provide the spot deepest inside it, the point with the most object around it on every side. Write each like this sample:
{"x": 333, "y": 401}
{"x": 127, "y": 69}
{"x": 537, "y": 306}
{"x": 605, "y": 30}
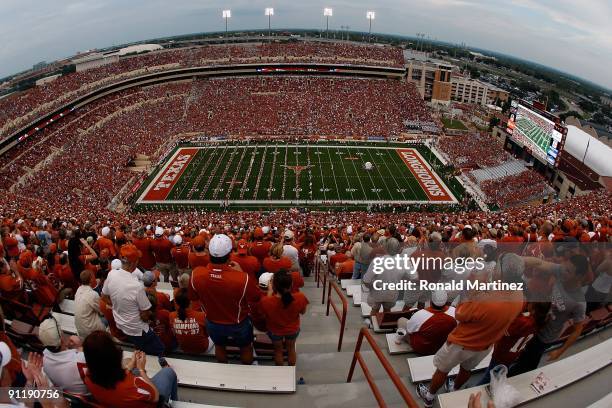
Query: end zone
{"x": 170, "y": 174}
{"x": 429, "y": 181}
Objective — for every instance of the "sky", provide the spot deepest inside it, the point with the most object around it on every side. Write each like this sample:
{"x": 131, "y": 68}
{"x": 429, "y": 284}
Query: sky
{"x": 574, "y": 36}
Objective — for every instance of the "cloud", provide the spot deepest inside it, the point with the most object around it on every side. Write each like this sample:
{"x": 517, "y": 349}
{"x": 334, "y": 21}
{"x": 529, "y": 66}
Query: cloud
{"x": 569, "y": 35}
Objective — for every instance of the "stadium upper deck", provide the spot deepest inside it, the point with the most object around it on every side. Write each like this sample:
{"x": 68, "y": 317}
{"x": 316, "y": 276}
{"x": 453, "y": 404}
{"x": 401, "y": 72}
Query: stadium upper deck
{"x": 21, "y": 108}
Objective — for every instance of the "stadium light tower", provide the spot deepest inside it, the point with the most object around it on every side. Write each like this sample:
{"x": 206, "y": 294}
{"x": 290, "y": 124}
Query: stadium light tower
{"x": 269, "y": 13}
{"x": 370, "y": 15}
{"x": 327, "y": 13}
{"x": 227, "y": 14}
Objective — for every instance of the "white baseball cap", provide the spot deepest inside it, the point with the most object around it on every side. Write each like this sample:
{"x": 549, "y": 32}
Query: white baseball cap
{"x": 178, "y": 240}
{"x": 49, "y": 333}
{"x": 220, "y": 245}
{"x": 116, "y": 264}
{"x": 265, "y": 229}
{"x": 439, "y": 297}
{"x": 105, "y": 231}
{"x": 5, "y": 355}
{"x": 265, "y": 279}
{"x": 288, "y": 234}
{"x": 159, "y": 231}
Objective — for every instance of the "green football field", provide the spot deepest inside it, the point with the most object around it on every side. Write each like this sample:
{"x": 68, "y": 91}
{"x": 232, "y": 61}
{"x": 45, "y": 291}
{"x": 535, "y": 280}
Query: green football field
{"x": 534, "y": 132}
{"x": 306, "y": 175}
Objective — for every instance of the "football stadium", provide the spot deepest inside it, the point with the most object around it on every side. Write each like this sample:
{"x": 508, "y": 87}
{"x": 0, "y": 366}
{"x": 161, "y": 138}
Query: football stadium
{"x": 326, "y": 217}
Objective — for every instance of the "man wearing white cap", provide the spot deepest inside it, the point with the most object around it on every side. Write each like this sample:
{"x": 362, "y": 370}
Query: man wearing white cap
{"x": 290, "y": 251}
{"x": 162, "y": 247}
{"x": 226, "y": 292}
{"x": 104, "y": 242}
{"x": 426, "y": 331}
{"x": 61, "y": 357}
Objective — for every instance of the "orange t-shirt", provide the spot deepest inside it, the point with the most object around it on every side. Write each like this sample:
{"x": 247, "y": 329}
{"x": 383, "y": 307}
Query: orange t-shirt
{"x": 161, "y": 249}
{"x": 248, "y": 263}
{"x": 191, "y": 332}
{"x": 260, "y": 249}
{"x": 482, "y": 322}
{"x": 198, "y": 259}
{"x": 105, "y": 243}
{"x": 282, "y": 320}
{"x": 181, "y": 256}
{"x": 147, "y": 259}
{"x": 10, "y": 286}
{"x": 161, "y": 326}
{"x": 346, "y": 268}
{"x": 43, "y": 289}
{"x": 131, "y": 392}
{"x": 274, "y": 265}
{"x": 224, "y": 292}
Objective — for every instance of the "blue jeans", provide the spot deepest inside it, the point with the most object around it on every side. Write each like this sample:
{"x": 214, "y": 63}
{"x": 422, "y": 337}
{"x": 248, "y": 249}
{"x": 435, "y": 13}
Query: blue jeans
{"x": 148, "y": 342}
{"x": 240, "y": 335}
{"x": 486, "y": 378}
{"x": 359, "y": 270}
{"x": 167, "y": 384}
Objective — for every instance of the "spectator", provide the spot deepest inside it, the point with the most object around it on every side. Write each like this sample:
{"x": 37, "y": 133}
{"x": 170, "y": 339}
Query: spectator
{"x": 199, "y": 256}
{"x": 162, "y": 247}
{"x": 62, "y": 357}
{"x": 143, "y": 243}
{"x": 189, "y": 326}
{"x": 282, "y": 310}
{"x": 87, "y": 307}
{"x": 150, "y": 284}
{"x": 112, "y": 385}
{"x": 568, "y": 304}
{"x": 226, "y": 291}
{"x": 248, "y": 263}
{"x": 131, "y": 307}
{"x": 362, "y": 254}
{"x": 344, "y": 270}
{"x": 180, "y": 255}
{"x": 521, "y": 331}
{"x": 383, "y": 297}
{"x": 481, "y": 322}
{"x": 426, "y": 331}
{"x": 160, "y": 323}
{"x": 11, "y": 283}
{"x": 290, "y": 251}
{"x": 277, "y": 261}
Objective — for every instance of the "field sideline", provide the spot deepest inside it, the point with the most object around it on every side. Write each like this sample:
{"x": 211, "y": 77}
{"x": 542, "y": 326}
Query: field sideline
{"x": 303, "y": 174}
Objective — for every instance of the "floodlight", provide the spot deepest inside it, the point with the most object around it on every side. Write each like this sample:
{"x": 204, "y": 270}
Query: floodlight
{"x": 227, "y": 13}
{"x": 328, "y": 12}
{"x": 371, "y": 15}
{"x": 269, "y": 11}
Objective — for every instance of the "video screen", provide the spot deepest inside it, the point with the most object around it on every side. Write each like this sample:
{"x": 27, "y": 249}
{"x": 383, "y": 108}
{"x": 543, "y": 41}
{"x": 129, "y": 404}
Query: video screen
{"x": 540, "y": 135}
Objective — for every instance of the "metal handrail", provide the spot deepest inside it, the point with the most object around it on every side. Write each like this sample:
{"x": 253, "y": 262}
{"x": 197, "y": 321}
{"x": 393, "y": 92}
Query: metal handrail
{"x": 357, "y": 357}
{"x": 341, "y": 316}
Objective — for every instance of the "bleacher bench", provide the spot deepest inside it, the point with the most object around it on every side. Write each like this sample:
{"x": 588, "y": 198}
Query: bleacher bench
{"x": 560, "y": 374}
{"x": 394, "y": 348}
{"x": 422, "y": 368}
{"x": 345, "y": 283}
{"x": 232, "y": 377}
{"x": 367, "y": 309}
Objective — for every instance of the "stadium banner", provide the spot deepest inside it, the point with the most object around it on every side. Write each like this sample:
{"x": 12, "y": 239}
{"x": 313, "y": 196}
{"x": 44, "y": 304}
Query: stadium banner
{"x": 431, "y": 185}
{"x": 161, "y": 188}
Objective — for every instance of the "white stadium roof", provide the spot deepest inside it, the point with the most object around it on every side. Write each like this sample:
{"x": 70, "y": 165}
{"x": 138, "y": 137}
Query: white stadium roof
{"x": 139, "y": 48}
{"x": 598, "y": 156}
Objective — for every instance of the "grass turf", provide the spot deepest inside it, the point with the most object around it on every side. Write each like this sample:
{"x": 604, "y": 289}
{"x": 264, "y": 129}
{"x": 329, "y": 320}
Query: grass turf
{"x": 453, "y": 124}
{"x": 329, "y": 172}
